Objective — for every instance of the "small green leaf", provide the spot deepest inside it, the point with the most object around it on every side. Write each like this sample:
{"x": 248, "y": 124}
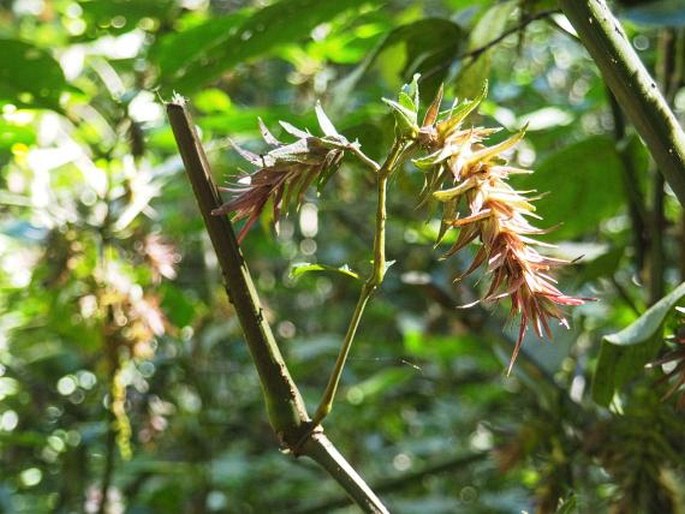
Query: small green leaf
{"x": 624, "y": 354}
{"x": 458, "y": 113}
{"x": 305, "y": 267}
{"x": 409, "y": 95}
{"x": 405, "y": 119}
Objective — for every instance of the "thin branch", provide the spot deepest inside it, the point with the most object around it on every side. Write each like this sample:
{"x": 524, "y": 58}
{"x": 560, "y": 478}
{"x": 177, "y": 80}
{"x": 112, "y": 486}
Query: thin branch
{"x": 365, "y": 159}
{"x": 284, "y": 404}
{"x": 456, "y": 463}
{"x": 635, "y": 90}
{"x": 636, "y": 202}
{"x": 477, "y": 52}
{"x": 375, "y": 278}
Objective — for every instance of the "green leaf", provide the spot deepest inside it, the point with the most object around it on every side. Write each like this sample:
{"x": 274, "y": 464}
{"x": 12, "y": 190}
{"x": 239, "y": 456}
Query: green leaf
{"x": 121, "y": 16}
{"x": 624, "y": 354}
{"x": 173, "y": 52}
{"x": 427, "y": 47}
{"x": 29, "y": 76}
{"x": 409, "y": 95}
{"x": 11, "y": 134}
{"x": 459, "y": 112}
{"x": 301, "y": 268}
{"x": 380, "y": 382}
{"x": 212, "y": 100}
{"x": 405, "y": 119}
{"x": 198, "y": 56}
{"x": 491, "y": 24}
{"x": 582, "y": 184}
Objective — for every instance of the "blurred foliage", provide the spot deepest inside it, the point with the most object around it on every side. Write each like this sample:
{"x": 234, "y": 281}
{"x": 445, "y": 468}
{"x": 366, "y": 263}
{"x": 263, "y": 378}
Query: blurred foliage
{"x": 122, "y": 368}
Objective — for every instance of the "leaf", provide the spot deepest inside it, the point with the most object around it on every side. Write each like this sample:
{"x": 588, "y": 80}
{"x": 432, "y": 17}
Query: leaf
{"x": 426, "y": 47}
{"x": 198, "y": 56}
{"x": 305, "y": 267}
{"x": 624, "y": 354}
{"x": 459, "y": 112}
{"x": 212, "y": 100}
{"x": 11, "y": 134}
{"x": 582, "y": 184}
{"x": 491, "y": 24}
{"x": 326, "y": 125}
{"x": 409, "y": 95}
{"x": 122, "y": 16}
{"x": 405, "y": 119}
{"x": 175, "y": 51}
{"x": 30, "y": 77}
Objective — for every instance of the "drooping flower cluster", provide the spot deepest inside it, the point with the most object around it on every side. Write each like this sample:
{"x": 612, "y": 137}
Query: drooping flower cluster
{"x": 470, "y": 179}
{"x": 285, "y": 173}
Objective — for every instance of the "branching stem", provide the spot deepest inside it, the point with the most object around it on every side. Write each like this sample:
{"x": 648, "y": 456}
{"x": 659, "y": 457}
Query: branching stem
{"x": 363, "y": 158}
{"x": 284, "y": 404}
{"x": 399, "y": 149}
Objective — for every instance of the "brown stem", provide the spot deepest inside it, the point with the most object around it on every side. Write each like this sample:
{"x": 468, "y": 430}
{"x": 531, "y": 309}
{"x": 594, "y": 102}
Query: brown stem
{"x": 110, "y": 444}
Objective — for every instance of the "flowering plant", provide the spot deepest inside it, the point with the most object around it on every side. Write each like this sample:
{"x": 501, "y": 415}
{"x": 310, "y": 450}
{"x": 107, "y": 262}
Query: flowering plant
{"x": 463, "y": 172}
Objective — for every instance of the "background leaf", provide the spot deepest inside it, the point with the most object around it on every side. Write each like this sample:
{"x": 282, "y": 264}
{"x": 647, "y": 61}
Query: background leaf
{"x": 624, "y": 354}
{"x": 29, "y": 76}
{"x": 584, "y": 185}
{"x": 241, "y": 39}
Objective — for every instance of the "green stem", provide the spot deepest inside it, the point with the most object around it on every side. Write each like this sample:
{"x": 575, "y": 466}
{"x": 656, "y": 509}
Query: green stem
{"x": 399, "y": 148}
{"x": 285, "y": 407}
{"x": 632, "y": 85}
{"x": 363, "y": 158}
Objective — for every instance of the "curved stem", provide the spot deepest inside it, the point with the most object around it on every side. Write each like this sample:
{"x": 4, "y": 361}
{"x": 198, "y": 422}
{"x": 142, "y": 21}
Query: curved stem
{"x": 363, "y": 158}
{"x": 634, "y": 88}
{"x": 398, "y": 150}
